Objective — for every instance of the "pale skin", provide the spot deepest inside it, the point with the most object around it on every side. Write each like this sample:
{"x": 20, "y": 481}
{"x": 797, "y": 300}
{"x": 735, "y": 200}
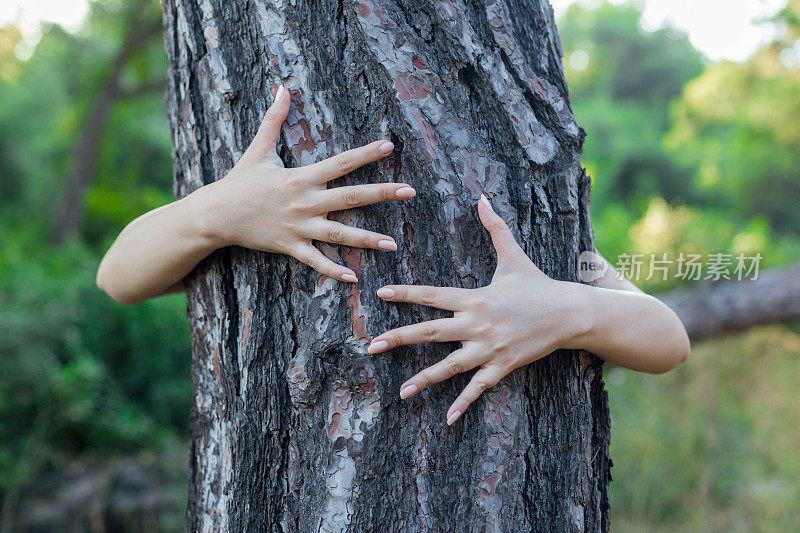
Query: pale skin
{"x": 520, "y": 317}
{"x": 523, "y": 315}
{"x": 259, "y": 205}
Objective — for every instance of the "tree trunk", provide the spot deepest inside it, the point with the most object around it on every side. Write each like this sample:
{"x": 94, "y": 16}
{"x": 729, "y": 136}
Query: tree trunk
{"x": 294, "y": 426}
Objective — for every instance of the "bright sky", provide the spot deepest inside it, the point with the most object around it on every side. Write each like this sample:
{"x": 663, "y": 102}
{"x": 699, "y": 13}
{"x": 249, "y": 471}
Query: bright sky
{"x": 28, "y": 13}
{"x": 722, "y": 29}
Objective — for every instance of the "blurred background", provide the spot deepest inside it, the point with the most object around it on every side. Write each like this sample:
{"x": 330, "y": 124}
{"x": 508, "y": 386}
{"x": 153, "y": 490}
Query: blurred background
{"x": 692, "y": 111}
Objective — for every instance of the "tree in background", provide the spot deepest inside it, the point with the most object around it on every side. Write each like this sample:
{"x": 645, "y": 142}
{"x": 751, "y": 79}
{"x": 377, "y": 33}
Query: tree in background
{"x": 83, "y": 119}
{"x": 738, "y": 125}
{"x": 622, "y": 79}
{"x": 294, "y": 426}
{"x": 140, "y": 26}
{"x": 81, "y": 379}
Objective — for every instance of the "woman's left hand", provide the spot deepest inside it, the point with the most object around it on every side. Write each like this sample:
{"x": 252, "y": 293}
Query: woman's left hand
{"x": 521, "y": 316}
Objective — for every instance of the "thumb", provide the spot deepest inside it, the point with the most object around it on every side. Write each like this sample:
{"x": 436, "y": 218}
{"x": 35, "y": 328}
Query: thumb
{"x": 263, "y": 145}
{"x": 508, "y": 250}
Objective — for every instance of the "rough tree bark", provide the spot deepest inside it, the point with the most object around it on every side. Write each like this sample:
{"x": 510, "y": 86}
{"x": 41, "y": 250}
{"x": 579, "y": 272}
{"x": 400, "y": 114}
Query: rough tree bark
{"x": 294, "y": 426}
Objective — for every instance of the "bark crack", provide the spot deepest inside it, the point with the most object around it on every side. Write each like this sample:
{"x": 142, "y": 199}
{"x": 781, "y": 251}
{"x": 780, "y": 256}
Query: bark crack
{"x": 231, "y": 297}
{"x": 283, "y": 467}
{"x": 546, "y": 115}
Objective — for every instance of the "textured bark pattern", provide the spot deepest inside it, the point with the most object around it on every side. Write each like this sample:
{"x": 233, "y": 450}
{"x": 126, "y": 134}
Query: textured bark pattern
{"x": 294, "y": 426}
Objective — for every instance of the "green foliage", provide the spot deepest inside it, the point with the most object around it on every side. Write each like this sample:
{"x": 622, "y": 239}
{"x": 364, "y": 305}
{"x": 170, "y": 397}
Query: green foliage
{"x": 621, "y": 79}
{"x": 739, "y": 126}
{"x": 693, "y": 160}
{"x": 623, "y": 62}
{"x": 43, "y": 107}
{"x": 683, "y": 158}
{"x": 80, "y": 374}
{"x": 77, "y": 371}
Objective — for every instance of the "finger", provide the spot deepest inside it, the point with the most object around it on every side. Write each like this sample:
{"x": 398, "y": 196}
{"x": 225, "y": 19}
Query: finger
{"x": 459, "y": 361}
{"x": 339, "y": 165}
{"x": 338, "y": 233}
{"x": 269, "y": 131}
{"x": 317, "y": 260}
{"x": 448, "y": 298}
{"x": 485, "y": 378}
{"x": 441, "y": 330}
{"x": 502, "y": 238}
{"x": 358, "y": 195}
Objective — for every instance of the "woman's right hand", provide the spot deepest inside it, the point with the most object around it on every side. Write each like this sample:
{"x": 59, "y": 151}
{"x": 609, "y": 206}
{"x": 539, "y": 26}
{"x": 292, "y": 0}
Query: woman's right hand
{"x": 264, "y": 206}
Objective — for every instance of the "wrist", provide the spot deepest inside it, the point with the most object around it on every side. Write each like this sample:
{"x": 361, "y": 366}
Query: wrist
{"x": 582, "y": 305}
{"x": 204, "y": 216}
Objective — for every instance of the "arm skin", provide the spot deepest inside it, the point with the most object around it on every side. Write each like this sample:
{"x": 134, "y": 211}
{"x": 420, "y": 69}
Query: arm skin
{"x": 259, "y": 205}
{"x": 523, "y": 315}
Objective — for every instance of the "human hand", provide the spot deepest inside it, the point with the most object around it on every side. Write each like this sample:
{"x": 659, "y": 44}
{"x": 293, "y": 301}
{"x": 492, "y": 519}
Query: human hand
{"x": 264, "y": 206}
{"x": 521, "y": 316}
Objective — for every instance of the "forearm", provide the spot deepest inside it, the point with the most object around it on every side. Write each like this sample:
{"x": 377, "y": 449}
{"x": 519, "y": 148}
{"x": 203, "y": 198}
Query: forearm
{"x": 629, "y": 329}
{"x": 153, "y": 254}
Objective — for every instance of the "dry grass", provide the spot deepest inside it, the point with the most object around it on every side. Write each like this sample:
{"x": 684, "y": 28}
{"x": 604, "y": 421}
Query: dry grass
{"x": 714, "y": 445}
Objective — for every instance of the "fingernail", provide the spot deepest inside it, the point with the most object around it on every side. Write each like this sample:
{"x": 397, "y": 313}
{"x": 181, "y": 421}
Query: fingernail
{"x": 386, "y": 147}
{"x": 279, "y": 93}
{"x": 408, "y": 390}
{"x": 377, "y": 346}
{"x": 387, "y": 245}
{"x": 349, "y": 277}
{"x": 453, "y": 417}
{"x": 385, "y": 292}
{"x": 404, "y": 193}
{"x": 486, "y": 203}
